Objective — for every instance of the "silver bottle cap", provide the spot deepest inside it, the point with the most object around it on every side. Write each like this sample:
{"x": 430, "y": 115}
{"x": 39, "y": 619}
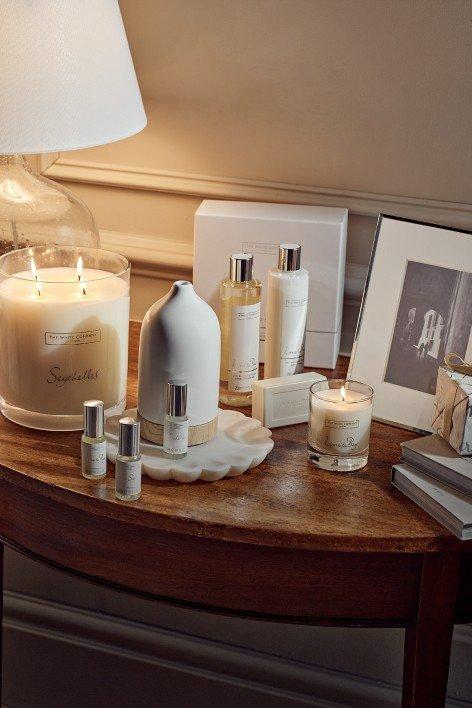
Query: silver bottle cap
{"x": 128, "y": 441}
{"x": 176, "y": 399}
{"x": 93, "y": 419}
{"x": 240, "y": 267}
{"x": 289, "y": 256}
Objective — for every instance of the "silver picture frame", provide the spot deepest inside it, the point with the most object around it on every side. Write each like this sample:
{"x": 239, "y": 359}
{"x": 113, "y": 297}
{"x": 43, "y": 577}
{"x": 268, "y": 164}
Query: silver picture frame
{"x": 417, "y": 303}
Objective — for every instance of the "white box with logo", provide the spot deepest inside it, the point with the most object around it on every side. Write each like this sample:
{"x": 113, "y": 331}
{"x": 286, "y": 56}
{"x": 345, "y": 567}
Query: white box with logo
{"x": 223, "y": 228}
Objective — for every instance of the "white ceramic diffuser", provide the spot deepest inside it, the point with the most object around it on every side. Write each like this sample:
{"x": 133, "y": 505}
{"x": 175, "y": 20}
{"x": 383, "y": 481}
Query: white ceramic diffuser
{"x": 180, "y": 340}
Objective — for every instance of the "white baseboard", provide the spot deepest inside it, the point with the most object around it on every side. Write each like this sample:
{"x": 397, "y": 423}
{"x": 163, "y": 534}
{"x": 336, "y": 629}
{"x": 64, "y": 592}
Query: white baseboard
{"x": 152, "y": 256}
{"x": 106, "y": 637}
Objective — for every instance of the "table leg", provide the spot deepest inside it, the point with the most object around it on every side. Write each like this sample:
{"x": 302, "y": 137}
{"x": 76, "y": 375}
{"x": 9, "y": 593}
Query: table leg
{"x": 428, "y": 643}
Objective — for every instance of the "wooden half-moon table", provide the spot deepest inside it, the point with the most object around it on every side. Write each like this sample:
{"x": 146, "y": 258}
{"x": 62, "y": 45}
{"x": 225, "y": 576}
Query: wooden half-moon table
{"x": 284, "y": 542}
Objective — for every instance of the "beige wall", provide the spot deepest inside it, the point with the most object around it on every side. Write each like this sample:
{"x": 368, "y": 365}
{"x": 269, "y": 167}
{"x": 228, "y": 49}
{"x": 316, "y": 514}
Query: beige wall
{"x": 366, "y": 95}
{"x": 359, "y": 103}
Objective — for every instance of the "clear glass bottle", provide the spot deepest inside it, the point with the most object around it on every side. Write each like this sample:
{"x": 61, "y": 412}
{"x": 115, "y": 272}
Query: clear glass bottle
{"x": 176, "y": 421}
{"x": 94, "y": 447}
{"x": 128, "y": 461}
{"x": 240, "y": 314}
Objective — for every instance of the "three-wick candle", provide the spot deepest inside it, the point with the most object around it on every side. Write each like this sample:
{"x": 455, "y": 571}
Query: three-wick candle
{"x": 64, "y": 316}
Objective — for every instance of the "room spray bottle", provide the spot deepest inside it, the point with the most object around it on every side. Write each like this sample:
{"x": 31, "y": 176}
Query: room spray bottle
{"x": 128, "y": 461}
{"x": 287, "y": 301}
{"x": 240, "y": 314}
{"x": 94, "y": 447}
{"x": 176, "y": 421}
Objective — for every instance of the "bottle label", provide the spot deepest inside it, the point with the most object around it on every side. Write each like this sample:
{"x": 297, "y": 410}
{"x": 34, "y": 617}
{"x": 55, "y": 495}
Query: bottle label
{"x": 293, "y": 325}
{"x": 175, "y": 437}
{"x": 244, "y": 347}
{"x": 94, "y": 458}
{"x": 286, "y": 315}
{"x": 128, "y": 477}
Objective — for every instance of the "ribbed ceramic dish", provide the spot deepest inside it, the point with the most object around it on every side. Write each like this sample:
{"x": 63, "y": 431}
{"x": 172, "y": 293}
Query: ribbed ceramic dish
{"x": 241, "y": 443}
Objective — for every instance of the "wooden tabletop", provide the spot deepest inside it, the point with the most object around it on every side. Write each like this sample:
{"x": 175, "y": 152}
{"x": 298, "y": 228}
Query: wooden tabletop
{"x": 285, "y": 502}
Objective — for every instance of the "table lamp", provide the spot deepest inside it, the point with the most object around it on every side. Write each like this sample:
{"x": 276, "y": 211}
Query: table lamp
{"x": 67, "y": 81}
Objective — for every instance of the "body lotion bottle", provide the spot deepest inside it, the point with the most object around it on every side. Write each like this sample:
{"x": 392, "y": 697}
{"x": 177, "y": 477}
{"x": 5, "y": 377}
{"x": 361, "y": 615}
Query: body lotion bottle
{"x": 287, "y": 301}
{"x": 240, "y": 315}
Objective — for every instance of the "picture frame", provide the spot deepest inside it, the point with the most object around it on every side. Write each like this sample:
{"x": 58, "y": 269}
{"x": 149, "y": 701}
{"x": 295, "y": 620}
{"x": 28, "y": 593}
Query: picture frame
{"x": 416, "y": 308}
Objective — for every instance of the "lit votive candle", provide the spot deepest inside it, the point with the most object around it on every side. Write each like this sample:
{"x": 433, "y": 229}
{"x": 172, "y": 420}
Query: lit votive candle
{"x": 339, "y": 424}
{"x": 64, "y": 314}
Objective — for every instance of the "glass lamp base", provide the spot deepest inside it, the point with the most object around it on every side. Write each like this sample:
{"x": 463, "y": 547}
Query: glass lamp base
{"x": 337, "y": 463}
{"x": 35, "y": 211}
{"x": 45, "y": 421}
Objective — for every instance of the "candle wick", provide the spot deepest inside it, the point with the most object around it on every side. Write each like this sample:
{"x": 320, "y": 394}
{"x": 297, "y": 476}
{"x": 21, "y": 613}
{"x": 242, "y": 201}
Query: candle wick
{"x": 80, "y": 265}
{"x": 79, "y": 277}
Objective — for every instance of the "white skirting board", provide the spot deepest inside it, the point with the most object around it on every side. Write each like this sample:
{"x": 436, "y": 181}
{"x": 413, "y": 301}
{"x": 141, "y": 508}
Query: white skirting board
{"x": 57, "y": 655}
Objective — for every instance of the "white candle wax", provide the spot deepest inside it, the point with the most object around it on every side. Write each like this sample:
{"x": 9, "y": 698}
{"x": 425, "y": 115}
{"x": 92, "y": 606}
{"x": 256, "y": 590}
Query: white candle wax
{"x": 62, "y": 341}
{"x": 340, "y": 422}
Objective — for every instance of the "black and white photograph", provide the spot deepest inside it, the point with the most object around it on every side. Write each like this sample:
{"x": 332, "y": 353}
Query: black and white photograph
{"x": 416, "y": 310}
{"x": 434, "y": 317}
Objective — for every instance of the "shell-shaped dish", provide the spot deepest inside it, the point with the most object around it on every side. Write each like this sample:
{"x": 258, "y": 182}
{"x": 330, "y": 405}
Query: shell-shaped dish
{"x": 240, "y": 443}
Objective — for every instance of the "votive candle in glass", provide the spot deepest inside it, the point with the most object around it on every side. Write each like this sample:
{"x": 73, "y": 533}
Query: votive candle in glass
{"x": 64, "y": 317}
{"x": 339, "y": 424}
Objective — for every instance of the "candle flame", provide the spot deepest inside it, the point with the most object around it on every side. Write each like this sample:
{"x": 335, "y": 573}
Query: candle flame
{"x": 343, "y": 393}
{"x": 80, "y": 268}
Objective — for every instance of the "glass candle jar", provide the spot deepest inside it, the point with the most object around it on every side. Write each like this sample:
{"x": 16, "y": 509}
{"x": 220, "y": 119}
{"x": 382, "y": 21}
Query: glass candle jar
{"x": 339, "y": 424}
{"x": 64, "y": 314}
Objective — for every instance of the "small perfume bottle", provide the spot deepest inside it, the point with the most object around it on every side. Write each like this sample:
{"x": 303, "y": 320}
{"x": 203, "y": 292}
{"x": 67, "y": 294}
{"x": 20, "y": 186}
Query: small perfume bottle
{"x": 128, "y": 461}
{"x": 176, "y": 421}
{"x": 94, "y": 447}
{"x": 240, "y": 315}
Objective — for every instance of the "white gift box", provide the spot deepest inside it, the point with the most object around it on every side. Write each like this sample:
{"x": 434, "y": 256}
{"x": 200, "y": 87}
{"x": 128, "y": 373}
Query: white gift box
{"x": 223, "y": 228}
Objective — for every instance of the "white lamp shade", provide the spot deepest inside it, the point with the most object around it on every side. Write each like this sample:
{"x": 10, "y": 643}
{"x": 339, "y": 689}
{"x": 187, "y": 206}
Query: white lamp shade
{"x": 67, "y": 79}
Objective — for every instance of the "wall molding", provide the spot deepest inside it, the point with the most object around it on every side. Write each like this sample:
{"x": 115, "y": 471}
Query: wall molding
{"x": 151, "y": 256}
{"x": 265, "y": 673}
{"x": 363, "y": 203}
{"x": 354, "y": 281}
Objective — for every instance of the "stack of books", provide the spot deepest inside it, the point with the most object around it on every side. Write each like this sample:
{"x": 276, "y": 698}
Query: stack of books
{"x": 437, "y": 478}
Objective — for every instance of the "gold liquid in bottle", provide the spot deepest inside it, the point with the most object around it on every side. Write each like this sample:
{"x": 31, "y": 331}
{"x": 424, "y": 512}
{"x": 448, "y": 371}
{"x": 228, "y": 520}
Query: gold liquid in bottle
{"x": 240, "y": 314}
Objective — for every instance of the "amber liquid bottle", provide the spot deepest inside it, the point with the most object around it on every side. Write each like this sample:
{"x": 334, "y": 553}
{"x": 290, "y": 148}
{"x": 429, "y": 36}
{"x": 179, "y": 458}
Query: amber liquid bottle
{"x": 240, "y": 315}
